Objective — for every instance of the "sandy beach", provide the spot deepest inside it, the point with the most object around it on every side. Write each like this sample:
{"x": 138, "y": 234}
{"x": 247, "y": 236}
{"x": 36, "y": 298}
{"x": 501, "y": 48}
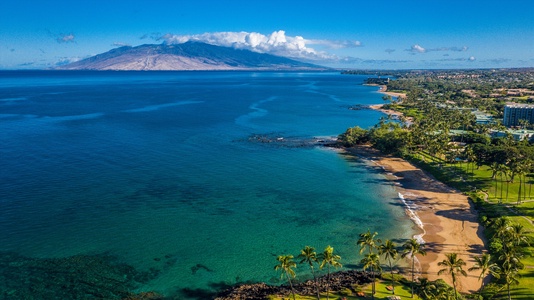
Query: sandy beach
{"x": 449, "y": 223}
{"x": 384, "y": 90}
{"x": 379, "y": 107}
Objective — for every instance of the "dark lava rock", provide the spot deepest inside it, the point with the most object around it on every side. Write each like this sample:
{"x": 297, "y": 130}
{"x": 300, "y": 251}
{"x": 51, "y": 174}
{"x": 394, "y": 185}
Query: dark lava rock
{"x": 338, "y": 281}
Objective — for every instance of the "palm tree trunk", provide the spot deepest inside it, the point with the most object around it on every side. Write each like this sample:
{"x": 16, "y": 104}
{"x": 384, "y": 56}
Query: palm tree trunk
{"x": 290, "y": 284}
{"x": 454, "y": 286}
{"x": 495, "y": 187}
{"x": 413, "y": 272}
{"x": 502, "y": 182}
{"x": 328, "y": 285}
{"x": 316, "y": 284}
{"x": 392, "y": 281}
{"x": 373, "y": 290}
{"x": 524, "y": 187}
{"x": 529, "y": 187}
{"x": 507, "y": 187}
{"x": 519, "y": 192}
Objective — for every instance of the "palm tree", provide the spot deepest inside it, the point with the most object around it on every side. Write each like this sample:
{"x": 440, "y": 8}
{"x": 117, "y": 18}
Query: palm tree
{"x": 309, "y": 256}
{"x": 426, "y": 289}
{"x": 511, "y": 276}
{"x": 367, "y": 240}
{"x": 496, "y": 170}
{"x": 453, "y": 266}
{"x": 390, "y": 252}
{"x": 500, "y": 227}
{"x": 411, "y": 248}
{"x": 286, "y": 265}
{"x": 518, "y": 235}
{"x": 329, "y": 259}
{"x": 486, "y": 267}
{"x": 372, "y": 260}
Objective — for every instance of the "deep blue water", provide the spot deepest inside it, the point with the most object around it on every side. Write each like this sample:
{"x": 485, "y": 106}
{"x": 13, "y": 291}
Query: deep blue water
{"x": 147, "y": 164}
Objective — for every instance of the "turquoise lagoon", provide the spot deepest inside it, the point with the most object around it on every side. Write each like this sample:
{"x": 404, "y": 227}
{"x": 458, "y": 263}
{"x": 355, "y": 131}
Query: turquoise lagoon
{"x": 148, "y": 166}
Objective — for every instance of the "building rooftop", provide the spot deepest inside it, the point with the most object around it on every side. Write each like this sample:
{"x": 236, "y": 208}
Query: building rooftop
{"x": 519, "y": 105}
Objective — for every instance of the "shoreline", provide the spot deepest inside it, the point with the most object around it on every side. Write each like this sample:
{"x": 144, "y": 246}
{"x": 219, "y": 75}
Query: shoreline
{"x": 446, "y": 219}
{"x": 383, "y": 89}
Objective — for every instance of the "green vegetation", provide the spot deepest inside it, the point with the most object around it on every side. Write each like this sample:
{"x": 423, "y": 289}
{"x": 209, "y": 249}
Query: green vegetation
{"x": 412, "y": 248}
{"x": 439, "y": 133}
{"x": 388, "y": 249}
{"x": 286, "y": 265}
{"x": 376, "y": 285}
{"x": 454, "y": 267}
{"x": 329, "y": 259}
{"x": 309, "y": 256}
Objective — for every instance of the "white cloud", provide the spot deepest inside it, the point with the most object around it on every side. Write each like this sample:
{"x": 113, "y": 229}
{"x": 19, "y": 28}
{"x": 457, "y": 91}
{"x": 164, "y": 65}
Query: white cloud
{"x": 335, "y": 44}
{"x": 277, "y": 43}
{"x": 472, "y": 58}
{"x": 419, "y": 49}
{"x": 61, "y": 61}
{"x": 66, "y": 38}
{"x": 119, "y": 44}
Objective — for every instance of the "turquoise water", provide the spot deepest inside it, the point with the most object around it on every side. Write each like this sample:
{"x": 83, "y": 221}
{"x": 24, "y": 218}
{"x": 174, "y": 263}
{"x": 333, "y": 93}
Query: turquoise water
{"x": 152, "y": 165}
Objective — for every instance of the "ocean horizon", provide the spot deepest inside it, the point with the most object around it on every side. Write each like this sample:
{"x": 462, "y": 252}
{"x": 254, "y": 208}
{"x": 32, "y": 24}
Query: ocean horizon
{"x": 203, "y": 178}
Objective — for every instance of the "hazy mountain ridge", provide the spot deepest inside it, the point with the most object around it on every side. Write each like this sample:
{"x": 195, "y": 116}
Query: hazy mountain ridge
{"x": 187, "y": 56}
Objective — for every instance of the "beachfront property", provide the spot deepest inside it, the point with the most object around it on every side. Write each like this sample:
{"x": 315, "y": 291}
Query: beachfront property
{"x": 514, "y": 112}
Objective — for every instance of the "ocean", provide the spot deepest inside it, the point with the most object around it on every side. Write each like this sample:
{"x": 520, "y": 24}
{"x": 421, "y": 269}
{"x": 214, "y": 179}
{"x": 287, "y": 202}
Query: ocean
{"x": 202, "y": 177}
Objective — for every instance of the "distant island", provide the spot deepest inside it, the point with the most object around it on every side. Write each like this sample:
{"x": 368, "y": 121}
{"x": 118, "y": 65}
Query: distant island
{"x": 190, "y": 56}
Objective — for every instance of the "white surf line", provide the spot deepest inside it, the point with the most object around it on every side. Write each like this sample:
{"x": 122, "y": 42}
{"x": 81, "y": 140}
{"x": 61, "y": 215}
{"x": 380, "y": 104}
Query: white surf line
{"x": 410, "y": 210}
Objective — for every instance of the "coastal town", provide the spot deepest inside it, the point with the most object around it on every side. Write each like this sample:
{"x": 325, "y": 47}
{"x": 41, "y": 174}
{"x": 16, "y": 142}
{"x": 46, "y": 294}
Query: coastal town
{"x": 459, "y": 147}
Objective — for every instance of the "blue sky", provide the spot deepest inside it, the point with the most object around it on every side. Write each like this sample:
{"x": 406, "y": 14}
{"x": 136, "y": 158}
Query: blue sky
{"x": 388, "y": 34}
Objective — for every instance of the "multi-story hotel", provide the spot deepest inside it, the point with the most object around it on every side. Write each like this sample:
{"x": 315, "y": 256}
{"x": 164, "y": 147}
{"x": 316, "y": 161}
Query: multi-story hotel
{"x": 513, "y": 112}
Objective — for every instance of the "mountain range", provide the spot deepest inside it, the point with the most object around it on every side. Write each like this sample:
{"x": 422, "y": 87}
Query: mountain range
{"x": 186, "y": 56}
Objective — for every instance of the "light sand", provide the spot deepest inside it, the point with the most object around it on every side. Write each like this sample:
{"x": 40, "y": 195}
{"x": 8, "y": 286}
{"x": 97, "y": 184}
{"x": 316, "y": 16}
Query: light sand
{"x": 449, "y": 221}
{"x": 383, "y": 89}
{"x": 386, "y": 111}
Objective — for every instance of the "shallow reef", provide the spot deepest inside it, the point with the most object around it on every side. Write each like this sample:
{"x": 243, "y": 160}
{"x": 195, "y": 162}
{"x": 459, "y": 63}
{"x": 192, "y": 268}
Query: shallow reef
{"x": 74, "y": 277}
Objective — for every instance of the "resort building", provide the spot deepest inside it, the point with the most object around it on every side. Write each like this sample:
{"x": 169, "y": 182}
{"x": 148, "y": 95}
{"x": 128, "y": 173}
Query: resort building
{"x": 483, "y": 118}
{"x": 513, "y": 112}
{"x": 518, "y": 135}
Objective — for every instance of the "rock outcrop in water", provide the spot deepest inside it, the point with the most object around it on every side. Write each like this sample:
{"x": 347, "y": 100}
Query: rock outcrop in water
{"x": 278, "y": 140}
{"x": 338, "y": 281}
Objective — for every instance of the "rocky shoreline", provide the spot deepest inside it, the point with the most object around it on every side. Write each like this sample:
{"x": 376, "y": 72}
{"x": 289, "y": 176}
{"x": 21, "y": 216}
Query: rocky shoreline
{"x": 339, "y": 281}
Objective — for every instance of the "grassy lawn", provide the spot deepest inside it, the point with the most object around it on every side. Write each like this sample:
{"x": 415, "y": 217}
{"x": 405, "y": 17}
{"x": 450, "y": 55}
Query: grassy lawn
{"x": 457, "y": 176}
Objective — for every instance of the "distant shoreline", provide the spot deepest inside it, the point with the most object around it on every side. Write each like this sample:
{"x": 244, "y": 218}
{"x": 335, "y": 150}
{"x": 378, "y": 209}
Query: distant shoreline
{"x": 383, "y": 89}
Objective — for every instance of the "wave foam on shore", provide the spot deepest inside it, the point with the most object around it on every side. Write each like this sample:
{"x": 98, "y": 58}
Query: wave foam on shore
{"x": 410, "y": 211}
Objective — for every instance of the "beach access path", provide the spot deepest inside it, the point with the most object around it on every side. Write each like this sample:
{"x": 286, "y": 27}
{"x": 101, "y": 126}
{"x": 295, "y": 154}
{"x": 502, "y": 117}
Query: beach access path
{"x": 449, "y": 221}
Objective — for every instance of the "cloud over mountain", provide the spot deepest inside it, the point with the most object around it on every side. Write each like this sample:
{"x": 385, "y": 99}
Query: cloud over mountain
{"x": 277, "y": 43}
